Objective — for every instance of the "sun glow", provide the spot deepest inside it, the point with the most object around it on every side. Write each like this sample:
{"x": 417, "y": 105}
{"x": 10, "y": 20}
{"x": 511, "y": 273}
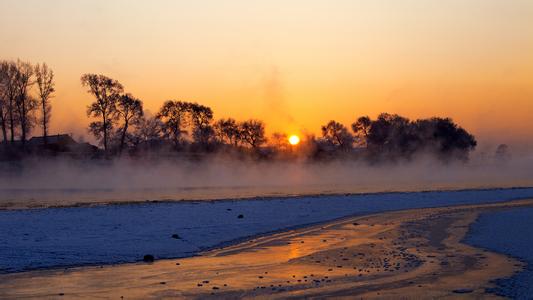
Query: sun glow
{"x": 294, "y": 140}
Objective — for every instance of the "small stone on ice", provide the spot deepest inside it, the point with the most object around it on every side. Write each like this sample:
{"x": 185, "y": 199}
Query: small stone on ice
{"x": 148, "y": 258}
{"x": 463, "y": 291}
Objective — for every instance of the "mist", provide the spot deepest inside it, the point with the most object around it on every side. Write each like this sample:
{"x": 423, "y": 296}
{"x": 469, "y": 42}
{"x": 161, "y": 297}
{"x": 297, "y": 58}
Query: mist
{"x": 64, "y": 182}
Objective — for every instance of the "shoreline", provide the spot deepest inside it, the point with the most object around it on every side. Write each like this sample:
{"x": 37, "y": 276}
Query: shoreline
{"x": 406, "y": 252}
{"x": 10, "y": 206}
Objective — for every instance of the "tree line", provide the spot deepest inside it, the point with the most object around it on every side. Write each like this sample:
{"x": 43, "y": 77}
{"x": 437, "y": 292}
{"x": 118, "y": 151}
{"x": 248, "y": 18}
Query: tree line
{"x": 121, "y": 125}
{"x": 120, "y": 122}
{"x": 20, "y": 111}
{"x": 391, "y": 136}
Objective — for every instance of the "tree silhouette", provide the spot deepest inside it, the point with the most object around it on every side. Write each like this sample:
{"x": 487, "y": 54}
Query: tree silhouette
{"x": 173, "y": 116}
{"x": 147, "y": 131}
{"x": 25, "y": 104}
{"x": 201, "y": 117}
{"x": 106, "y": 91}
{"x": 337, "y": 135}
{"x": 4, "y": 98}
{"x": 252, "y": 132}
{"x": 279, "y": 141}
{"x": 392, "y": 136}
{"x": 227, "y": 131}
{"x": 9, "y": 86}
{"x": 129, "y": 110}
{"x": 45, "y": 84}
{"x": 361, "y": 129}
{"x": 445, "y": 138}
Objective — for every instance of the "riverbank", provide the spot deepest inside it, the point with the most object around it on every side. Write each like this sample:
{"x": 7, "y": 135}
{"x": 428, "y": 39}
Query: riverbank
{"x": 413, "y": 253}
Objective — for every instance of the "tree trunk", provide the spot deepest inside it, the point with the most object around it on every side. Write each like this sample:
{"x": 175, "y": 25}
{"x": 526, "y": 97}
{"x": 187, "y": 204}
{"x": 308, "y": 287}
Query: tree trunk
{"x": 45, "y": 133}
{"x": 123, "y": 137}
{"x": 11, "y": 120}
{"x": 23, "y": 125}
{"x": 4, "y": 131}
{"x": 45, "y": 136}
{"x": 105, "y": 134}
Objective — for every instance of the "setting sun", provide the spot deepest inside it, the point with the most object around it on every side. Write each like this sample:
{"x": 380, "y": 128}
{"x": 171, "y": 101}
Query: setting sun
{"x": 294, "y": 140}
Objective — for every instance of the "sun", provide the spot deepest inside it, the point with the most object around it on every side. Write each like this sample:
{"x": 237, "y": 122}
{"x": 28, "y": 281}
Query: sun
{"x": 294, "y": 140}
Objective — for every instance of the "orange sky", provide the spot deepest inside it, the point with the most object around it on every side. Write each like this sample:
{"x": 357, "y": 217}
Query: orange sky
{"x": 295, "y": 64}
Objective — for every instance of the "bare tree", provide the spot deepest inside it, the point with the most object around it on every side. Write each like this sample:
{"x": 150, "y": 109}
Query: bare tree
{"x": 280, "y": 141}
{"x": 130, "y": 112}
{"x": 25, "y": 104}
{"x": 148, "y": 129}
{"x": 106, "y": 91}
{"x": 173, "y": 115}
{"x": 4, "y": 85}
{"x": 201, "y": 117}
{"x": 10, "y": 74}
{"x": 227, "y": 131}
{"x": 337, "y": 134}
{"x": 45, "y": 83}
{"x": 252, "y": 132}
{"x": 361, "y": 129}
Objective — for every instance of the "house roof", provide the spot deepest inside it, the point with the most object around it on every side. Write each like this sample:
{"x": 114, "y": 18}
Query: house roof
{"x": 52, "y": 139}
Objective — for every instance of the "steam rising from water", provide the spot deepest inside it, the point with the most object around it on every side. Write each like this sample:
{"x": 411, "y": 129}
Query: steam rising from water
{"x": 66, "y": 182}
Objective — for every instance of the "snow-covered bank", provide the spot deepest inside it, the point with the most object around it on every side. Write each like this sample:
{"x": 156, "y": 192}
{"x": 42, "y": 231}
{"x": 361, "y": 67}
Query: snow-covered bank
{"x": 58, "y": 237}
{"x": 508, "y": 232}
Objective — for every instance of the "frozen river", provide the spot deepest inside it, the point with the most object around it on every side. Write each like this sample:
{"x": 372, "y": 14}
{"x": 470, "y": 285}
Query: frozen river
{"x": 108, "y": 234}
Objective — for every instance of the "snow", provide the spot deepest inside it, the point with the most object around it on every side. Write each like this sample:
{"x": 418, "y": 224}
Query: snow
{"x": 508, "y": 232}
{"x": 73, "y": 236}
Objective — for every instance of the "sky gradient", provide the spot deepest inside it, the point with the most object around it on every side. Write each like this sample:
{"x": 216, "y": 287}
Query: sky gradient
{"x": 294, "y": 64}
